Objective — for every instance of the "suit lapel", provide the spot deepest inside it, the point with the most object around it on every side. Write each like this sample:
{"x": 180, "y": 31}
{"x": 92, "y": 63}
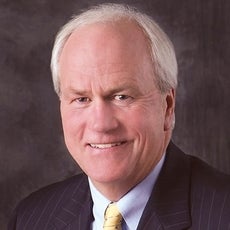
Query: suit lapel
{"x": 76, "y": 210}
{"x": 168, "y": 206}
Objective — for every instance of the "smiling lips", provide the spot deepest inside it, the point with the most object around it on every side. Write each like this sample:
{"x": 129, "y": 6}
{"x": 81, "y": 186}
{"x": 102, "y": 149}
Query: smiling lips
{"x": 107, "y": 145}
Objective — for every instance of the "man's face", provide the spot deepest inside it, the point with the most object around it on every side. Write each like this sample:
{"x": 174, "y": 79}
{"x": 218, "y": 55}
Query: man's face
{"x": 116, "y": 122}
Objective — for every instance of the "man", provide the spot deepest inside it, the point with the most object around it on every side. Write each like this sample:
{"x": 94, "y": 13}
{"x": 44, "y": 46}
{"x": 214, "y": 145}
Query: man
{"x": 115, "y": 72}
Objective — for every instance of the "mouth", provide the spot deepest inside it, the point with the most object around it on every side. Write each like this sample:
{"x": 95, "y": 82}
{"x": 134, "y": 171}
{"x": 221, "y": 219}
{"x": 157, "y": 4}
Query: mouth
{"x": 106, "y": 145}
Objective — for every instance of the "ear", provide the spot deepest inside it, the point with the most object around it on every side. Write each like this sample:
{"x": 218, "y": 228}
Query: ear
{"x": 170, "y": 110}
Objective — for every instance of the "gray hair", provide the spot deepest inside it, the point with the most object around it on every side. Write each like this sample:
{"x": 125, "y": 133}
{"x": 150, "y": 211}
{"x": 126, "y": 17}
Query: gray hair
{"x": 161, "y": 48}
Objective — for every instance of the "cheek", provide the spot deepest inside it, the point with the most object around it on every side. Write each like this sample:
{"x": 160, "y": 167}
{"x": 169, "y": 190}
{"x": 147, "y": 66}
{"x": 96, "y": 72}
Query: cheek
{"x": 146, "y": 119}
{"x": 140, "y": 126}
{"x": 72, "y": 125}
{"x": 149, "y": 132}
{"x": 73, "y": 133}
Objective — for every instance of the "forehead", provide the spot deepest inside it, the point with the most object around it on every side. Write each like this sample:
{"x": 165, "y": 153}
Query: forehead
{"x": 121, "y": 38}
{"x": 105, "y": 51}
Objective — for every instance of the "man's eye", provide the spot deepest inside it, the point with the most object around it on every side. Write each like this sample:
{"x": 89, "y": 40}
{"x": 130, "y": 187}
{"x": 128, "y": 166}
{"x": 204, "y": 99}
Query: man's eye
{"x": 121, "y": 97}
{"x": 82, "y": 99}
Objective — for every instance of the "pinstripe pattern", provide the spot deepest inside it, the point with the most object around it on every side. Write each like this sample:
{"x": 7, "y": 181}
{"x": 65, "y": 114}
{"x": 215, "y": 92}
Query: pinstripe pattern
{"x": 188, "y": 195}
{"x": 56, "y": 207}
{"x": 210, "y": 199}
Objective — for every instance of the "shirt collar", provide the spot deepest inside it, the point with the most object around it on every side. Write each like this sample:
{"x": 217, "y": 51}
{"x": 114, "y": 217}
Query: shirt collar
{"x": 132, "y": 204}
{"x": 100, "y": 204}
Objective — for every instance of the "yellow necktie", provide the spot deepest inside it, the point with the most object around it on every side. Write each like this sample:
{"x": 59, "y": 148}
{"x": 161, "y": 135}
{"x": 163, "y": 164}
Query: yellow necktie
{"x": 113, "y": 218}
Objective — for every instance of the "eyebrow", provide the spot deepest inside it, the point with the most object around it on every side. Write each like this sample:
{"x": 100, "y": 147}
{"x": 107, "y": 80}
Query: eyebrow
{"x": 123, "y": 87}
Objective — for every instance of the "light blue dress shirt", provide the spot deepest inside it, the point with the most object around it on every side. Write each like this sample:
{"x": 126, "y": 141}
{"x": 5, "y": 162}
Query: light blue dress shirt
{"x": 131, "y": 206}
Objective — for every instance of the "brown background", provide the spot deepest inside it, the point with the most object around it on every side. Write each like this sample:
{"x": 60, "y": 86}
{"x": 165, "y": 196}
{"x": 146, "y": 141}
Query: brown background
{"x": 32, "y": 151}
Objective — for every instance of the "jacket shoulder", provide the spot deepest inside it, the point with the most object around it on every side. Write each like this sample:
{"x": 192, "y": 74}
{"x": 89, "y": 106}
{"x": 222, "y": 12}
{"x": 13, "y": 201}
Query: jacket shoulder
{"x": 210, "y": 197}
{"x": 56, "y": 189}
{"x": 205, "y": 176}
{"x": 40, "y": 207}
{"x": 208, "y": 188}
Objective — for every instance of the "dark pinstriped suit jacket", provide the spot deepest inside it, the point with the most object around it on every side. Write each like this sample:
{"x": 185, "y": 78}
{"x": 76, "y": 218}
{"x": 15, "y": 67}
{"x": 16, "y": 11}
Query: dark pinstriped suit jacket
{"x": 188, "y": 195}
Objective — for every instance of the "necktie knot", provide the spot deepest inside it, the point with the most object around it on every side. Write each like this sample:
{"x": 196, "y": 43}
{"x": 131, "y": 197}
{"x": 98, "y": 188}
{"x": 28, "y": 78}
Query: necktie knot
{"x": 113, "y": 218}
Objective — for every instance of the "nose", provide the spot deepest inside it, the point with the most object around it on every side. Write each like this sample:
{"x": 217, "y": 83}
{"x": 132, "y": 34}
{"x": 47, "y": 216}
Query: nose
{"x": 103, "y": 117}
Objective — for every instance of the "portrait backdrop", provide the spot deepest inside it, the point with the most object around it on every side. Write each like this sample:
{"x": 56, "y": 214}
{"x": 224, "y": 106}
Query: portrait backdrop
{"x": 32, "y": 149}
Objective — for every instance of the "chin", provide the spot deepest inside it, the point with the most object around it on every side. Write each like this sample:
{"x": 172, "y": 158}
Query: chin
{"x": 105, "y": 177}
